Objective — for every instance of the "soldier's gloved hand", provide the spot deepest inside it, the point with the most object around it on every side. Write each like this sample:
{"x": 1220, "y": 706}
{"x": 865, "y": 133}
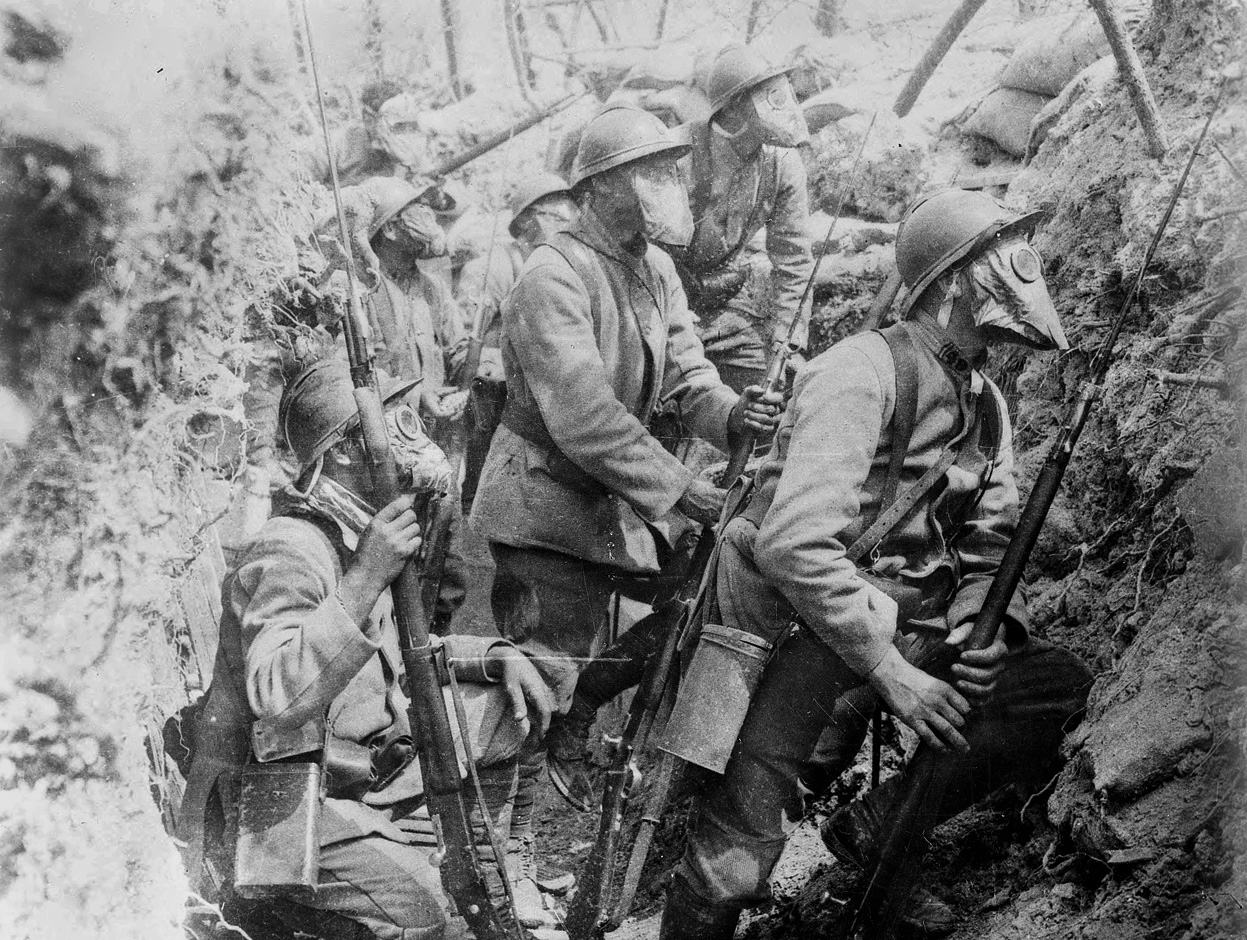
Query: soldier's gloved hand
{"x": 384, "y": 548}
{"x": 702, "y": 502}
{"x": 528, "y": 693}
{"x": 976, "y": 671}
{"x": 443, "y": 403}
{"x": 756, "y": 410}
{"x": 934, "y": 709}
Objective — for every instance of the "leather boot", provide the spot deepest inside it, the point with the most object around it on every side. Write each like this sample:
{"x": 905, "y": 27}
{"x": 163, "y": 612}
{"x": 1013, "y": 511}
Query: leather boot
{"x": 568, "y": 759}
{"x": 852, "y": 833}
{"x": 687, "y": 917}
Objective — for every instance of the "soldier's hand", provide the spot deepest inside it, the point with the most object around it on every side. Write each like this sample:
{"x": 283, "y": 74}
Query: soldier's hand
{"x": 934, "y": 709}
{"x": 390, "y": 540}
{"x": 528, "y": 693}
{"x": 977, "y": 670}
{"x": 757, "y": 410}
{"x": 702, "y": 502}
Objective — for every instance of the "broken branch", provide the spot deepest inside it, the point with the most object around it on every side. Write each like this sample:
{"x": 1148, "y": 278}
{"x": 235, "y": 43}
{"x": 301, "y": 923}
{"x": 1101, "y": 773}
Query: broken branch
{"x": 935, "y": 55}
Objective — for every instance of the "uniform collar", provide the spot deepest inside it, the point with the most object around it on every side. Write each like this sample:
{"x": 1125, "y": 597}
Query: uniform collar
{"x": 932, "y": 337}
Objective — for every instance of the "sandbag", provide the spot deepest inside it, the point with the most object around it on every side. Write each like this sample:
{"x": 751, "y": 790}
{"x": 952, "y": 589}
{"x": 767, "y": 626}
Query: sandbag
{"x": 1005, "y": 118}
{"x": 1056, "y": 49}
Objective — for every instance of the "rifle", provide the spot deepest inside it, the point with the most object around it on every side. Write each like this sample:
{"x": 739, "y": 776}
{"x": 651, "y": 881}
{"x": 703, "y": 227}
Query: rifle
{"x": 892, "y": 880}
{"x": 450, "y": 164}
{"x": 602, "y": 900}
{"x": 456, "y": 857}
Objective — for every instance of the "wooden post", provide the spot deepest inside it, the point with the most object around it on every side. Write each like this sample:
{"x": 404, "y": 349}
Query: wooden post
{"x": 1132, "y": 76}
{"x": 935, "y": 55}
{"x": 450, "y": 32}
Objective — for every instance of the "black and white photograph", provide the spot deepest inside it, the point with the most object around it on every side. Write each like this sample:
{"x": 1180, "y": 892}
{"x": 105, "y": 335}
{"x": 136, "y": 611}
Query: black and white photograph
{"x": 623, "y": 470}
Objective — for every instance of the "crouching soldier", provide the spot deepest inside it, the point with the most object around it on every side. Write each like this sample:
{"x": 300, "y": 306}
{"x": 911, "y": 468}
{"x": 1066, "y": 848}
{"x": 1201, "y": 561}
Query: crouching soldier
{"x": 905, "y": 414}
{"x": 308, "y": 669}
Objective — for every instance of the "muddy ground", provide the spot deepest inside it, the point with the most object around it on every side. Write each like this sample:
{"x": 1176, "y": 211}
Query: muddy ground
{"x": 155, "y": 200}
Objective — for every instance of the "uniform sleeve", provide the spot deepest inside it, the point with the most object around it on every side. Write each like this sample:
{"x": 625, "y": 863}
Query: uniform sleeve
{"x": 451, "y": 336}
{"x": 981, "y": 542}
{"x": 301, "y": 648}
{"x": 468, "y": 655}
{"x": 837, "y": 413}
{"x": 547, "y": 323}
{"x": 689, "y": 377}
{"x": 788, "y": 245}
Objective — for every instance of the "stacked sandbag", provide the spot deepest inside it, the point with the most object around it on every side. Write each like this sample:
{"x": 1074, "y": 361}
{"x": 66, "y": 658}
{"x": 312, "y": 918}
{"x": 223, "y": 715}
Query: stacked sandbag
{"x": 1054, "y": 50}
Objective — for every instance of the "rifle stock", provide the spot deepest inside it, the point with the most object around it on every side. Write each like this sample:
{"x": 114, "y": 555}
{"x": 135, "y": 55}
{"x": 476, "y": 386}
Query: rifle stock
{"x": 460, "y": 867}
{"x": 894, "y": 875}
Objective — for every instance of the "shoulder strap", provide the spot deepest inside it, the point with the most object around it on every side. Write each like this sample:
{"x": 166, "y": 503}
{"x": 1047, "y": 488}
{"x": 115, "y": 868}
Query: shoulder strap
{"x": 904, "y": 416}
{"x": 905, "y": 411}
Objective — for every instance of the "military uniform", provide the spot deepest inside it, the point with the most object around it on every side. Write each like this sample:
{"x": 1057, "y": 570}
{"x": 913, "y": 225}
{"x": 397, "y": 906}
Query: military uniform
{"x": 294, "y": 674}
{"x": 784, "y": 563}
{"x": 575, "y": 494}
{"x": 732, "y": 201}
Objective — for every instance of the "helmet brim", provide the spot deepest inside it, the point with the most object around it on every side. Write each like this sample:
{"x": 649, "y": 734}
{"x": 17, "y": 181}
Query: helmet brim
{"x": 752, "y": 82}
{"x": 1024, "y": 224}
{"x": 392, "y": 388}
{"x": 676, "y": 148}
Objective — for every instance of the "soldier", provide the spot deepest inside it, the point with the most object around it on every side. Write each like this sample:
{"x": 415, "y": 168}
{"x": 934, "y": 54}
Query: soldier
{"x": 875, "y": 417}
{"x": 576, "y": 496}
{"x": 746, "y": 175}
{"x": 417, "y": 331}
{"x": 539, "y": 208}
{"x": 308, "y": 664}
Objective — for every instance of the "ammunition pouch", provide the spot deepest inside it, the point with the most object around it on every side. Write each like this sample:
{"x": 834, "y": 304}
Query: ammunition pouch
{"x": 716, "y": 287}
{"x": 486, "y": 399}
{"x": 710, "y": 289}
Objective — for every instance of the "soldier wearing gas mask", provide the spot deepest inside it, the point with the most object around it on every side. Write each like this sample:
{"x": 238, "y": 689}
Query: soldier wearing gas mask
{"x": 854, "y": 607}
{"x": 308, "y": 669}
{"x": 576, "y": 495}
{"x": 744, "y": 174}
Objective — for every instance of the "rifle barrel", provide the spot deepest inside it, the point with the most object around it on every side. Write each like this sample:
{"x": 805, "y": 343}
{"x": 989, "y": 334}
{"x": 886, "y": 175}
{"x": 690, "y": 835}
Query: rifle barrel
{"x": 497, "y": 140}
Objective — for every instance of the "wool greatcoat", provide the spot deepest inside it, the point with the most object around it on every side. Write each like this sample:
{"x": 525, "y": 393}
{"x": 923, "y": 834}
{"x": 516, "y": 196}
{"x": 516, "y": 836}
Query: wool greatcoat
{"x": 783, "y": 561}
{"x": 575, "y": 491}
{"x": 294, "y": 674}
{"x": 595, "y": 334}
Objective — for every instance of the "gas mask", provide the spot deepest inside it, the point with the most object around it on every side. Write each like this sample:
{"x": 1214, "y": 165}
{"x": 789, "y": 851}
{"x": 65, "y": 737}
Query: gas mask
{"x": 419, "y": 226}
{"x": 544, "y": 219}
{"x": 422, "y": 467}
{"x": 662, "y": 202}
{"x": 1011, "y": 300}
{"x": 777, "y": 113}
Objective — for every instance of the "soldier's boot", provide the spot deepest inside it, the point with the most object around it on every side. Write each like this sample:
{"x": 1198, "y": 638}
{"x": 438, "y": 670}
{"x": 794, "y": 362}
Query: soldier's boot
{"x": 526, "y": 875}
{"x": 568, "y": 758}
{"x": 852, "y": 834}
{"x": 686, "y": 916}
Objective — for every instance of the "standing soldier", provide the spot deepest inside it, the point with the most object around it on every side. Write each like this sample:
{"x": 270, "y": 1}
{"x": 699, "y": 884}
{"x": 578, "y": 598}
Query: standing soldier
{"x": 901, "y": 413}
{"x": 539, "y": 208}
{"x": 418, "y": 335}
{"x": 576, "y": 495}
{"x": 746, "y": 175}
{"x": 308, "y": 666}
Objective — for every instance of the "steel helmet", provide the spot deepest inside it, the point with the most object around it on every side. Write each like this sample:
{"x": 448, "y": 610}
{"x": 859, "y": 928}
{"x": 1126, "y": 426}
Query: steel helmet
{"x": 534, "y": 190}
{"x": 619, "y": 134}
{"x": 317, "y": 407}
{"x": 948, "y": 226}
{"x": 737, "y": 68}
{"x": 390, "y": 195}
